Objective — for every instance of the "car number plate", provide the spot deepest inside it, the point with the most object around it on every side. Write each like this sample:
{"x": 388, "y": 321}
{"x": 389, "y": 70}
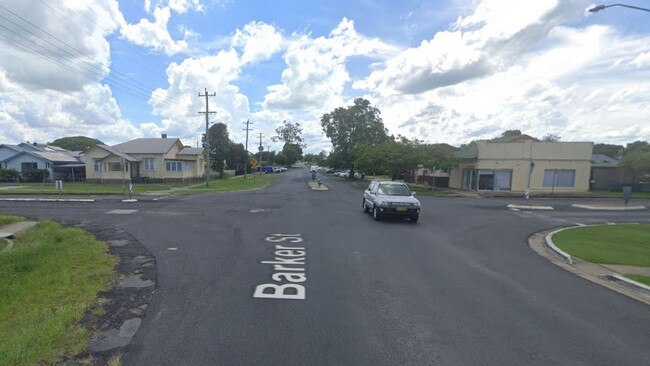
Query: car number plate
{"x": 401, "y": 209}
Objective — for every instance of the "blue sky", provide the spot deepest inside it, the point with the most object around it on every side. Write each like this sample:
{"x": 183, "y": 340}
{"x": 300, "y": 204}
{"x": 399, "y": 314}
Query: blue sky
{"x": 441, "y": 71}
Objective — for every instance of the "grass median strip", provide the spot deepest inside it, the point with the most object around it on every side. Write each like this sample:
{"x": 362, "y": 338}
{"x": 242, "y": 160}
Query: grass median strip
{"x": 92, "y": 188}
{"x": 232, "y": 184}
{"x": 627, "y": 244}
{"x": 47, "y": 282}
{"x": 9, "y": 219}
{"x": 641, "y": 279}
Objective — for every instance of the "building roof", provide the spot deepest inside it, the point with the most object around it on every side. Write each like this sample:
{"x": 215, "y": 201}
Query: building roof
{"x": 191, "y": 151}
{"x": 57, "y": 157}
{"x": 113, "y": 151}
{"x": 602, "y": 159}
{"x": 146, "y": 146}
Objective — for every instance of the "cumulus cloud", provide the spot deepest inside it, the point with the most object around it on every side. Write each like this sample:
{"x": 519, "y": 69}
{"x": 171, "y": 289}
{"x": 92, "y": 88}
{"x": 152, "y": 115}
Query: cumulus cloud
{"x": 179, "y": 6}
{"x": 316, "y": 73}
{"x": 258, "y": 41}
{"x": 488, "y": 40}
{"x": 155, "y": 34}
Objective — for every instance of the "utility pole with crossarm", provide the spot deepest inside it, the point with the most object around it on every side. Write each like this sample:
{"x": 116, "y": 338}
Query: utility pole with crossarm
{"x": 248, "y": 122}
{"x": 207, "y": 140}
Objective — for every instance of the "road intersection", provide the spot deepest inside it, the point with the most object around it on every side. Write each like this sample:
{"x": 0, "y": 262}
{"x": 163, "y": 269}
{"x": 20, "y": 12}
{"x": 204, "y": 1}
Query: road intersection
{"x": 459, "y": 287}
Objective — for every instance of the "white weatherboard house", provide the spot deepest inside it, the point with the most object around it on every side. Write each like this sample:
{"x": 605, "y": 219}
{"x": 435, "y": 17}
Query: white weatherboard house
{"x": 144, "y": 159}
{"x": 26, "y": 157}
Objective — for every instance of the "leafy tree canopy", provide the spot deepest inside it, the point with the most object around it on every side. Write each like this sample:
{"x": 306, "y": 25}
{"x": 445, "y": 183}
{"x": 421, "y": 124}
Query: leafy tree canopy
{"x": 636, "y": 160}
{"x": 75, "y": 143}
{"x": 289, "y": 133}
{"x": 608, "y": 149}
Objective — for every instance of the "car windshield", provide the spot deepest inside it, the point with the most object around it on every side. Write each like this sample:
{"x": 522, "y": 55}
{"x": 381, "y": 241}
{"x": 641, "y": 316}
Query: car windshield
{"x": 394, "y": 190}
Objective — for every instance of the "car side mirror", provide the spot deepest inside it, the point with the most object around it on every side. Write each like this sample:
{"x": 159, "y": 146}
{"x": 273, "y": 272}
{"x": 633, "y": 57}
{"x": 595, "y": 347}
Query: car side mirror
{"x": 413, "y": 193}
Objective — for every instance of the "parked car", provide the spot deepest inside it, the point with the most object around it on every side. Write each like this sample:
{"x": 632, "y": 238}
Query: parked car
{"x": 267, "y": 169}
{"x": 346, "y": 174}
{"x": 390, "y": 199}
{"x": 313, "y": 169}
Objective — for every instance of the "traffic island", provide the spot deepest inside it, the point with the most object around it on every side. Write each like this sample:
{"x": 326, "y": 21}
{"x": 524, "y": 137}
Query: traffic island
{"x": 317, "y": 187}
{"x": 608, "y": 207}
{"x": 614, "y": 256}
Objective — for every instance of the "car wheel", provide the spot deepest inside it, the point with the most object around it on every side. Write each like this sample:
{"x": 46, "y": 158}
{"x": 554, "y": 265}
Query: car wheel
{"x": 375, "y": 214}
{"x": 414, "y": 219}
{"x": 365, "y": 208}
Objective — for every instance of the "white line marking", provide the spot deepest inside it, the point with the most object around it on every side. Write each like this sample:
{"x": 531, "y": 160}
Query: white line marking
{"x": 121, "y": 212}
{"x": 172, "y": 248}
{"x": 579, "y": 224}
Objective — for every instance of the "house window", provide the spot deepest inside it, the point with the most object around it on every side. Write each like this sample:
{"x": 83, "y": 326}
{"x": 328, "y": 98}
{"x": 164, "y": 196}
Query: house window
{"x": 148, "y": 165}
{"x": 559, "y": 178}
{"x": 97, "y": 165}
{"x": 174, "y": 166}
{"x": 28, "y": 167}
{"x": 114, "y": 167}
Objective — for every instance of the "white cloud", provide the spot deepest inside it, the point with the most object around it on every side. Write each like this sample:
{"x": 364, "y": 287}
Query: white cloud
{"x": 489, "y": 40}
{"x": 179, "y": 6}
{"x": 316, "y": 74}
{"x": 155, "y": 34}
{"x": 258, "y": 40}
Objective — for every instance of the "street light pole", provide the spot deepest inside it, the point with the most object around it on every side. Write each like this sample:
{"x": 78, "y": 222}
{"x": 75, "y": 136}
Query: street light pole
{"x": 598, "y": 8}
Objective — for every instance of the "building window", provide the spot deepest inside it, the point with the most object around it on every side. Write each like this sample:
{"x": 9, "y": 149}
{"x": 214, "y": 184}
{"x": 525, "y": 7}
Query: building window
{"x": 174, "y": 166}
{"x": 494, "y": 180}
{"x": 28, "y": 167}
{"x": 148, "y": 165}
{"x": 114, "y": 167}
{"x": 97, "y": 165}
{"x": 559, "y": 178}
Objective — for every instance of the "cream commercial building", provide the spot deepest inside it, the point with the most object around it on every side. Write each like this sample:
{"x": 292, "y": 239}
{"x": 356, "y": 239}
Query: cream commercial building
{"x": 516, "y": 163}
{"x": 144, "y": 159}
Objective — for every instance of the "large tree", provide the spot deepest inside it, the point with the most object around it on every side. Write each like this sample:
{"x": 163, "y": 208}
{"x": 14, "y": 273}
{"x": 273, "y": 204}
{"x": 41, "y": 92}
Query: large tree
{"x": 358, "y": 123}
{"x": 610, "y": 150}
{"x": 75, "y": 143}
{"x": 292, "y": 153}
{"x": 289, "y": 133}
{"x": 636, "y": 160}
{"x": 219, "y": 146}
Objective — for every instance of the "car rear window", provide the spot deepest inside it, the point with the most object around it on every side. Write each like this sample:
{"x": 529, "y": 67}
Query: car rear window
{"x": 394, "y": 190}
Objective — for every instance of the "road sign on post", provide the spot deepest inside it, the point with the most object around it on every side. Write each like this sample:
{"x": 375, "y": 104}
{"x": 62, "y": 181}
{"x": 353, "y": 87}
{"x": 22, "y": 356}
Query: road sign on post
{"x": 58, "y": 184}
{"x": 130, "y": 189}
{"x": 253, "y": 163}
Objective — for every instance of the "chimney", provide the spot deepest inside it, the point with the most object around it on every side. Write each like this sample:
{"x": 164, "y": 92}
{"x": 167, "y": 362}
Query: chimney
{"x": 164, "y": 135}
{"x": 35, "y": 144}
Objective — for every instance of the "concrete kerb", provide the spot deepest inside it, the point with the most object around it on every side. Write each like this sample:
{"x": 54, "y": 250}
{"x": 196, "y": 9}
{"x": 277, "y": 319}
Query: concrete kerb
{"x": 607, "y": 208}
{"x": 549, "y": 243}
{"x": 85, "y": 200}
{"x": 593, "y": 272}
{"x": 529, "y": 207}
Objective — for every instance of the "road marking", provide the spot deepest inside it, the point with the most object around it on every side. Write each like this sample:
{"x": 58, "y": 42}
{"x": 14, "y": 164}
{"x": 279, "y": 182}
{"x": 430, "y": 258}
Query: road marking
{"x": 172, "y": 248}
{"x": 289, "y": 266}
{"x": 579, "y": 224}
{"x": 259, "y": 210}
{"x": 160, "y": 198}
{"x": 121, "y": 212}
{"x": 515, "y": 209}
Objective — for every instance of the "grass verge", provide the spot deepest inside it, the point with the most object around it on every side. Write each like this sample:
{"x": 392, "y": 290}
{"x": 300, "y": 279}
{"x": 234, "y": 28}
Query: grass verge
{"x": 47, "y": 282}
{"x": 638, "y": 278}
{"x": 9, "y": 219}
{"x": 608, "y": 244}
{"x": 232, "y": 184}
{"x": 3, "y": 244}
{"x": 93, "y": 188}
{"x": 616, "y": 194}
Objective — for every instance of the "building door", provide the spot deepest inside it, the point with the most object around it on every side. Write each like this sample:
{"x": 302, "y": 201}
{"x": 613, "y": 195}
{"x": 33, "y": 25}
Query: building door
{"x": 469, "y": 178}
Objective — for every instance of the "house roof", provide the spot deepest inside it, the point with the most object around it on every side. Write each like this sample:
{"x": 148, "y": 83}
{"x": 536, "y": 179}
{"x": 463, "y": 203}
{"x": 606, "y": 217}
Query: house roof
{"x": 191, "y": 151}
{"x": 113, "y": 151}
{"x": 602, "y": 159}
{"x": 146, "y": 146}
{"x": 57, "y": 157}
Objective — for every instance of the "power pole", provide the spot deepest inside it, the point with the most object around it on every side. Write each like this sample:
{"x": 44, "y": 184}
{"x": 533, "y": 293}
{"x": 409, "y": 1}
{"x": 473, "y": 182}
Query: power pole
{"x": 261, "y": 148}
{"x": 207, "y": 140}
{"x": 248, "y": 122}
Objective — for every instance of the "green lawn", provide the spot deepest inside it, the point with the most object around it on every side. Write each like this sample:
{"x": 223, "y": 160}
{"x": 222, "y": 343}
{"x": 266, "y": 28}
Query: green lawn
{"x": 609, "y": 244}
{"x": 91, "y": 188}
{"x": 616, "y": 194}
{"x": 9, "y": 219}
{"x": 642, "y": 279}
{"x": 47, "y": 282}
{"x": 3, "y": 244}
{"x": 231, "y": 184}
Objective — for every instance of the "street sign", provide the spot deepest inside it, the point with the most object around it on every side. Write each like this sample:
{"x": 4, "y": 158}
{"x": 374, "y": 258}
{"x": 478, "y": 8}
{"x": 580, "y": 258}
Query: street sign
{"x": 253, "y": 163}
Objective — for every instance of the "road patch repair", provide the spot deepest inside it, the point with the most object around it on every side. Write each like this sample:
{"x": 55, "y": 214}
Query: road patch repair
{"x": 607, "y": 275}
{"x": 289, "y": 266}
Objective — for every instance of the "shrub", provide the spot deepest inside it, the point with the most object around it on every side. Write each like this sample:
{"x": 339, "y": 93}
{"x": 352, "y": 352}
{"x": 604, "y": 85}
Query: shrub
{"x": 8, "y": 174}
{"x": 37, "y": 175}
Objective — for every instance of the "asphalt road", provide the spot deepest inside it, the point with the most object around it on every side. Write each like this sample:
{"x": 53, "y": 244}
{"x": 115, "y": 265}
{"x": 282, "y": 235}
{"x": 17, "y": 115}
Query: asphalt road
{"x": 460, "y": 287}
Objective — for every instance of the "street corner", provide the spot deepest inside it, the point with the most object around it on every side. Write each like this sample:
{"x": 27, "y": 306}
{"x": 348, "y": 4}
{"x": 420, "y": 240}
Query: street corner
{"x": 613, "y": 277}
